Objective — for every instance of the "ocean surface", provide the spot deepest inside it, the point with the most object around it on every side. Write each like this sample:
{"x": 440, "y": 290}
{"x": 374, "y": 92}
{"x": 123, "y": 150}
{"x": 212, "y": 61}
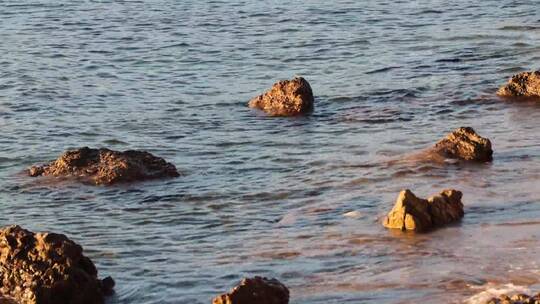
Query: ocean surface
{"x": 299, "y": 199}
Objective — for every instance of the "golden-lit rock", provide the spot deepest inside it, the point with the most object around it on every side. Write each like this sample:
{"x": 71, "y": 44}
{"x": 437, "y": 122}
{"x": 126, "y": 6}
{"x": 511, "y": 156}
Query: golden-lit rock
{"x": 286, "y": 98}
{"x": 48, "y": 268}
{"x": 417, "y": 214}
{"x": 409, "y": 213}
{"x": 515, "y": 299}
{"x": 465, "y": 144}
{"x": 526, "y": 84}
{"x": 106, "y": 167}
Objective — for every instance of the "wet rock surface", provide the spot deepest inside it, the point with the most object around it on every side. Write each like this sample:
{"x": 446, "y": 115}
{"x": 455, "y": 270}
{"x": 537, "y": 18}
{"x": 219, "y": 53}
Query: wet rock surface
{"x": 526, "y": 84}
{"x": 48, "y": 268}
{"x": 515, "y": 299}
{"x": 464, "y": 144}
{"x": 256, "y": 290}
{"x": 106, "y": 167}
{"x": 417, "y": 214}
{"x": 286, "y": 98}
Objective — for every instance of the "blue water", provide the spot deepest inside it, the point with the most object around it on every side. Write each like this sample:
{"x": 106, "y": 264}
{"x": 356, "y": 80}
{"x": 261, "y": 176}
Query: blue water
{"x": 267, "y": 196}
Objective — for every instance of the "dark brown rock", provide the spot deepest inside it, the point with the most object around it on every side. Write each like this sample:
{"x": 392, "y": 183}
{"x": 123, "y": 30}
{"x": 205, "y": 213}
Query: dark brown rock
{"x": 47, "y": 268}
{"x": 256, "y": 290}
{"x": 465, "y": 144}
{"x": 106, "y": 167}
{"x": 526, "y": 84}
{"x": 446, "y": 207}
{"x": 417, "y": 214}
{"x": 286, "y": 98}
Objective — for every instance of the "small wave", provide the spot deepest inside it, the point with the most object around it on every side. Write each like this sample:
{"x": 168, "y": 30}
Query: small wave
{"x": 397, "y": 93}
{"x": 114, "y": 141}
{"x": 475, "y": 37}
{"x": 430, "y": 11}
{"x": 448, "y": 60}
{"x": 345, "y": 98}
{"x": 521, "y": 44}
{"x": 385, "y": 69}
{"x": 524, "y": 223}
{"x": 519, "y": 28}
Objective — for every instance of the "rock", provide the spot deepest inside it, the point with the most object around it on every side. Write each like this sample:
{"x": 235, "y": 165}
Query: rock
{"x": 520, "y": 297}
{"x": 526, "y": 84}
{"x": 445, "y": 207}
{"x": 417, "y": 214}
{"x": 106, "y": 167}
{"x": 493, "y": 301}
{"x": 286, "y": 98}
{"x": 409, "y": 213}
{"x": 48, "y": 268}
{"x": 465, "y": 144}
{"x": 256, "y": 290}
{"x": 515, "y": 299}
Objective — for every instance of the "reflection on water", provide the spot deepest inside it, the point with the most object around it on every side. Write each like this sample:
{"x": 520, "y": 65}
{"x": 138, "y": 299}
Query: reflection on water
{"x": 273, "y": 196}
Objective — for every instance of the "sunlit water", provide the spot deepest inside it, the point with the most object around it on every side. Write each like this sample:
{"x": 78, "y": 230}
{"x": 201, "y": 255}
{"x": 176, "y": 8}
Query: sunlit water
{"x": 267, "y": 196}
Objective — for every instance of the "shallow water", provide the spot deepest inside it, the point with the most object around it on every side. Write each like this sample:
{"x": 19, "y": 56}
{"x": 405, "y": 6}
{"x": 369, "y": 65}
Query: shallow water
{"x": 267, "y": 196}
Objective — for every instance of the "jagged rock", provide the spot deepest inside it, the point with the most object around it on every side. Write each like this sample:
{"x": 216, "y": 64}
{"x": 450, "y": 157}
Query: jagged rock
{"x": 286, "y": 98}
{"x": 106, "y": 167}
{"x": 526, "y": 84}
{"x": 465, "y": 144}
{"x": 409, "y": 213}
{"x": 48, "y": 268}
{"x": 256, "y": 290}
{"x": 417, "y": 214}
{"x": 445, "y": 207}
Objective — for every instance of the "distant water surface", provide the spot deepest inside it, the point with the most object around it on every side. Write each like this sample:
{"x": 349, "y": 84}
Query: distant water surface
{"x": 267, "y": 196}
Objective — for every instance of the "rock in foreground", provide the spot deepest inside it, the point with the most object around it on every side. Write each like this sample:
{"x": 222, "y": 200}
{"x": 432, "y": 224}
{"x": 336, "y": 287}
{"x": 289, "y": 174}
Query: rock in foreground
{"x": 417, "y": 214}
{"x": 526, "y": 84}
{"x": 106, "y": 167}
{"x": 48, "y": 268}
{"x": 515, "y": 299}
{"x": 286, "y": 98}
{"x": 465, "y": 144}
{"x": 256, "y": 290}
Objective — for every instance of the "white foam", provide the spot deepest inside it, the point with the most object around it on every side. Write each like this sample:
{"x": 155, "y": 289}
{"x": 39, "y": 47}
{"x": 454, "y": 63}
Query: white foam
{"x": 353, "y": 214}
{"x": 492, "y": 291}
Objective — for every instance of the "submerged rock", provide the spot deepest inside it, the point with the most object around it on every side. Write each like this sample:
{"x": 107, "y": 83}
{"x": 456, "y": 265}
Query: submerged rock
{"x": 256, "y": 290}
{"x": 286, "y": 98}
{"x": 48, "y": 268}
{"x": 417, "y": 214}
{"x": 465, "y": 144}
{"x": 526, "y": 84}
{"x": 106, "y": 167}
